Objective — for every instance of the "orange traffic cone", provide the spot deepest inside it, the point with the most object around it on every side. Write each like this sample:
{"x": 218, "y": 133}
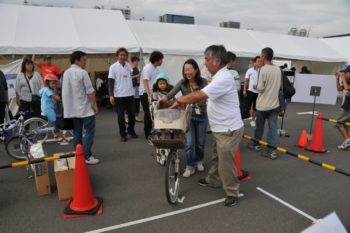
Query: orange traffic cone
{"x": 83, "y": 202}
{"x": 303, "y": 139}
{"x": 241, "y": 174}
{"x": 316, "y": 144}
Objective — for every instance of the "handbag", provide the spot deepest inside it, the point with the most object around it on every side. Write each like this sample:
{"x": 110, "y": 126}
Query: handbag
{"x": 36, "y": 100}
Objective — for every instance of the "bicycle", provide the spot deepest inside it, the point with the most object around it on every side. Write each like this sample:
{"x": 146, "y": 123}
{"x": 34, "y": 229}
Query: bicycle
{"x": 170, "y": 126}
{"x": 30, "y": 131}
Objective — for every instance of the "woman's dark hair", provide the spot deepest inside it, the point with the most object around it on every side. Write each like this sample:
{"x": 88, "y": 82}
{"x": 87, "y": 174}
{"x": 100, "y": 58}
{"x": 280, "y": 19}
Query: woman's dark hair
{"x": 231, "y": 56}
{"x": 122, "y": 50}
{"x": 195, "y": 66}
{"x": 76, "y": 56}
{"x": 156, "y": 56}
{"x": 24, "y": 63}
{"x": 168, "y": 86}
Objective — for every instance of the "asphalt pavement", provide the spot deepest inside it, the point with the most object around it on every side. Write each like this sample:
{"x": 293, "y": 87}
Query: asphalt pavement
{"x": 132, "y": 185}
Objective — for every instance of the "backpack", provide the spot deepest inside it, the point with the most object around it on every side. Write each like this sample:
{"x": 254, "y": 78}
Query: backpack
{"x": 286, "y": 92}
{"x": 287, "y": 87}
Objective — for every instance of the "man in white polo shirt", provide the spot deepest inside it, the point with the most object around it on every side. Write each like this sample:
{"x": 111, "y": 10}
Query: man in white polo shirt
{"x": 121, "y": 93}
{"x": 148, "y": 75}
{"x": 225, "y": 122}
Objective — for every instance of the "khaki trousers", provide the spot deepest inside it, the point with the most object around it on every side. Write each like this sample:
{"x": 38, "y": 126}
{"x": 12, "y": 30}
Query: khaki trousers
{"x": 223, "y": 170}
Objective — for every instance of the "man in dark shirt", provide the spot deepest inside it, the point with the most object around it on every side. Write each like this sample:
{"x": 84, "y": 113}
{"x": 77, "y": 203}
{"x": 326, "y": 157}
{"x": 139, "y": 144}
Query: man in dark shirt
{"x": 135, "y": 61}
{"x": 3, "y": 96}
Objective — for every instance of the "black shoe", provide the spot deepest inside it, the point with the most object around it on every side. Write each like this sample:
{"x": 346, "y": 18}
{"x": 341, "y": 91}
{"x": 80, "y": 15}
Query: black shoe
{"x": 123, "y": 139}
{"x": 133, "y": 135}
{"x": 231, "y": 201}
{"x": 204, "y": 183}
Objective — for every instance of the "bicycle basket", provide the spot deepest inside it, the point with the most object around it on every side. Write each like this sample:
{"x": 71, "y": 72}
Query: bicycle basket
{"x": 172, "y": 118}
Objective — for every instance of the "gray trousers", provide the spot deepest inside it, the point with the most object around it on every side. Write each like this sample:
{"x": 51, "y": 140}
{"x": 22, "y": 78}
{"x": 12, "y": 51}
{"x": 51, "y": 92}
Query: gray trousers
{"x": 223, "y": 170}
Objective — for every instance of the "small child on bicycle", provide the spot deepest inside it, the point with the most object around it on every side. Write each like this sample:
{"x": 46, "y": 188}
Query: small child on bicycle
{"x": 48, "y": 102}
{"x": 161, "y": 87}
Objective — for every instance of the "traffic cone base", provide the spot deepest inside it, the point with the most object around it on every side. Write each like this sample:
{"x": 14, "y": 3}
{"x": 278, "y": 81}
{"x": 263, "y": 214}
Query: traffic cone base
{"x": 244, "y": 176}
{"x": 302, "y": 143}
{"x": 96, "y": 211}
{"x": 316, "y": 151}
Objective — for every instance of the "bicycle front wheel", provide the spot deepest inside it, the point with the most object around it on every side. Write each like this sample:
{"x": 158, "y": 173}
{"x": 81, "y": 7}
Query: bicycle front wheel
{"x": 35, "y": 127}
{"x": 15, "y": 148}
{"x": 172, "y": 175}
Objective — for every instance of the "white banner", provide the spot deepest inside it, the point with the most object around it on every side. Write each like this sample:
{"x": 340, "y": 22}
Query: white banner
{"x": 11, "y": 71}
{"x": 304, "y": 82}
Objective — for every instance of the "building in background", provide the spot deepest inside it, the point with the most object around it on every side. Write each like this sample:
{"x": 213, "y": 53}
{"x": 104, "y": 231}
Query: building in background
{"x": 169, "y": 18}
{"x": 295, "y": 32}
{"x": 125, "y": 11}
{"x": 230, "y": 24}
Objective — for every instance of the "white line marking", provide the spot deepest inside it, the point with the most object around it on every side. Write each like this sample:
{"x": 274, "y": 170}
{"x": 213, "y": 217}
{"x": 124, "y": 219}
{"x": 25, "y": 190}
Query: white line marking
{"x": 128, "y": 224}
{"x": 307, "y": 113}
{"x": 287, "y": 205}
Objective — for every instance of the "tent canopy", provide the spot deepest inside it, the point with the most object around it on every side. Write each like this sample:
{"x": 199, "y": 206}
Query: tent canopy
{"x": 51, "y": 30}
{"x": 340, "y": 44}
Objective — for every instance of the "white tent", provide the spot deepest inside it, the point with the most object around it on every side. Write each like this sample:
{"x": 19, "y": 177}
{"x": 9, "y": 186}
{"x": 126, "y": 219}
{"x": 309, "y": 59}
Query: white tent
{"x": 51, "y": 30}
{"x": 340, "y": 44}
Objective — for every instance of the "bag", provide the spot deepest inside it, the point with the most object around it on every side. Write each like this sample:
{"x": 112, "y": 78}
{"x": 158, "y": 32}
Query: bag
{"x": 36, "y": 100}
{"x": 61, "y": 122}
{"x": 286, "y": 92}
{"x": 288, "y": 89}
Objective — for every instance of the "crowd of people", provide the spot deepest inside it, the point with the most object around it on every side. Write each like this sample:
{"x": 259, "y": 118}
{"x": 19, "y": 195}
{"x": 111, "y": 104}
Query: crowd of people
{"x": 216, "y": 104}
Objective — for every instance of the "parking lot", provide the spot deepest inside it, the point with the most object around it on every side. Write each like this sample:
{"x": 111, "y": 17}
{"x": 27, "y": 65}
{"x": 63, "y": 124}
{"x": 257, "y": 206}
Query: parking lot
{"x": 132, "y": 185}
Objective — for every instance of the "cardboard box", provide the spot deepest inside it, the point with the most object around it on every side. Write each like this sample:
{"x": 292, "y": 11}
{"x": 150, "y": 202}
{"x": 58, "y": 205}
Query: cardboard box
{"x": 42, "y": 181}
{"x": 41, "y": 173}
{"x": 64, "y": 173}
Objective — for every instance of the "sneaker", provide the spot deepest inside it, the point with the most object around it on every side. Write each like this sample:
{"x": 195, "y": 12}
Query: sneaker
{"x": 345, "y": 145}
{"x": 92, "y": 160}
{"x": 188, "y": 172}
{"x": 270, "y": 154}
{"x": 204, "y": 183}
{"x": 230, "y": 201}
{"x": 252, "y": 124}
{"x": 254, "y": 147}
{"x": 149, "y": 140}
{"x": 200, "y": 167}
{"x": 123, "y": 138}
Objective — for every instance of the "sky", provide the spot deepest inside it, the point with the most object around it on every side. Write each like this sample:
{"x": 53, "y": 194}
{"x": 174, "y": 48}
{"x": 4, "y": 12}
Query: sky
{"x": 321, "y": 17}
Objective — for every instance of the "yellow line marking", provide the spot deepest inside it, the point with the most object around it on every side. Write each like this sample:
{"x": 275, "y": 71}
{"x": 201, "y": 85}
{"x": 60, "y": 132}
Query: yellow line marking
{"x": 333, "y": 120}
{"x": 328, "y": 166}
{"x": 18, "y": 164}
{"x": 263, "y": 143}
{"x": 282, "y": 150}
{"x": 303, "y": 157}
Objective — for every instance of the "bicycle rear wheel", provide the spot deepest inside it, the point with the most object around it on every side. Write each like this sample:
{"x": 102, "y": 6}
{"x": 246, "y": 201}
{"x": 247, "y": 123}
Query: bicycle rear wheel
{"x": 172, "y": 175}
{"x": 35, "y": 127}
{"x": 16, "y": 148}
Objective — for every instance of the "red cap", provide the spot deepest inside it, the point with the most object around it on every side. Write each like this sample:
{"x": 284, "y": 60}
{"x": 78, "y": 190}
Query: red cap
{"x": 51, "y": 77}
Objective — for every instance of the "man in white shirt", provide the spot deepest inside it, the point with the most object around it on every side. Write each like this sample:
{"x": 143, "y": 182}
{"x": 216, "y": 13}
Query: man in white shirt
{"x": 148, "y": 75}
{"x": 249, "y": 93}
{"x": 121, "y": 93}
{"x": 268, "y": 85}
{"x": 79, "y": 103}
{"x": 225, "y": 122}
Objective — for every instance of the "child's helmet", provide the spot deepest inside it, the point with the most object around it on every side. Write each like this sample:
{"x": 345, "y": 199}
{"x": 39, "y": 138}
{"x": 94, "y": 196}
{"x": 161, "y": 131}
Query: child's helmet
{"x": 51, "y": 77}
{"x": 163, "y": 76}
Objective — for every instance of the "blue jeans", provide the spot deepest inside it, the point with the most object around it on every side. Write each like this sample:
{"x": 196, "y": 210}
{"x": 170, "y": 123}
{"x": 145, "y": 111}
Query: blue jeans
{"x": 271, "y": 117}
{"x": 195, "y": 137}
{"x": 88, "y": 123}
